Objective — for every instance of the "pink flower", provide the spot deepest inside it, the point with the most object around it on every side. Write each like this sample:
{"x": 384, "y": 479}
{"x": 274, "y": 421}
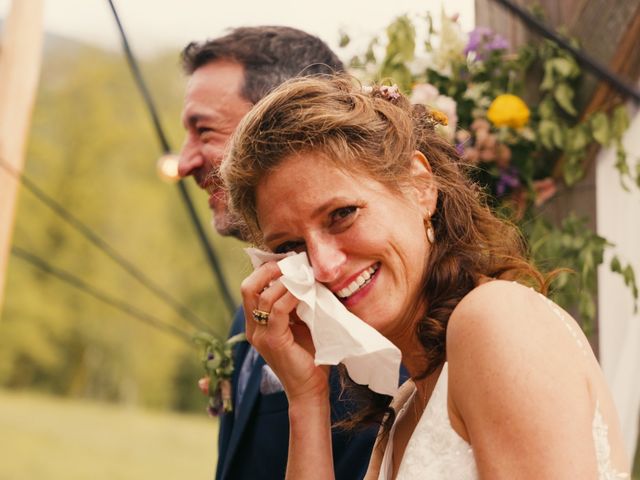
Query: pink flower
{"x": 203, "y": 385}
{"x": 544, "y": 189}
{"x": 390, "y": 92}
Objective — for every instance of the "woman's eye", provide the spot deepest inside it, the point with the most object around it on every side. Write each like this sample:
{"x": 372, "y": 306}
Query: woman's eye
{"x": 287, "y": 247}
{"x": 341, "y": 214}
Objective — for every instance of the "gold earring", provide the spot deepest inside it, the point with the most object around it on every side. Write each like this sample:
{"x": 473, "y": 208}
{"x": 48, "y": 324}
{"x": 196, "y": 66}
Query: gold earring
{"x": 431, "y": 234}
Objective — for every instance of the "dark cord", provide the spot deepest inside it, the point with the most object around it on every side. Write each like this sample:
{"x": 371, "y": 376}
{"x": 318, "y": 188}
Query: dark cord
{"x": 103, "y": 297}
{"x": 102, "y": 245}
{"x": 208, "y": 248}
{"x": 590, "y": 63}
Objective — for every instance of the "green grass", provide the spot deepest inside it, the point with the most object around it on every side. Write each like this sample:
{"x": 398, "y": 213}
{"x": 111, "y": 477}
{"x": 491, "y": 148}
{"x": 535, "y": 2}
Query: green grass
{"x": 46, "y": 438}
{"x": 50, "y": 438}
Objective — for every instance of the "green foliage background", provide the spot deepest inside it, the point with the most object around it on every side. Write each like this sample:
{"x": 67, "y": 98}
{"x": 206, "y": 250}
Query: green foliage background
{"x": 554, "y": 145}
{"x": 92, "y": 148}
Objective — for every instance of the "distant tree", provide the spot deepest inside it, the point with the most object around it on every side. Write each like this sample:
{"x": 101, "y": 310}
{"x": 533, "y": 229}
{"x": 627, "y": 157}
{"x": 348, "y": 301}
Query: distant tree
{"x": 93, "y": 149}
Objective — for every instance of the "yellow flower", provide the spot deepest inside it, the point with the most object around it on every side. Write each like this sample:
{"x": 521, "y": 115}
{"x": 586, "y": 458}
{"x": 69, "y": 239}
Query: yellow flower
{"x": 439, "y": 117}
{"x": 508, "y": 110}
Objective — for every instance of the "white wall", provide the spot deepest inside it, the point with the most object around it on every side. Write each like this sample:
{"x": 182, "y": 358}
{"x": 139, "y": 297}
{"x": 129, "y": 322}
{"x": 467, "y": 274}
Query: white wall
{"x": 618, "y": 215}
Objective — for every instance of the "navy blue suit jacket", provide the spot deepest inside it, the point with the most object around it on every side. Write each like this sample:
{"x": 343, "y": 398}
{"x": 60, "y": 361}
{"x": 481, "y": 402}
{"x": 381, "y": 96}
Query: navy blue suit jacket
{"x": 253, "y": 440}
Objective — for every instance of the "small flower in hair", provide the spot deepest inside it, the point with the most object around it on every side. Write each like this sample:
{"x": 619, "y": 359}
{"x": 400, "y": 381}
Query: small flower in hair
{"x": 390, "y": 92}
{"x": 442, "y": 113}
{"x": 439, "y": 117}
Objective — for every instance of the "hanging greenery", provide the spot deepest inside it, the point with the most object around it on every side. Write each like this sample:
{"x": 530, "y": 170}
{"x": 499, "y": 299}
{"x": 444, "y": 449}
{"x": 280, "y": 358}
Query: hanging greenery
{"x": 513, "y": 117}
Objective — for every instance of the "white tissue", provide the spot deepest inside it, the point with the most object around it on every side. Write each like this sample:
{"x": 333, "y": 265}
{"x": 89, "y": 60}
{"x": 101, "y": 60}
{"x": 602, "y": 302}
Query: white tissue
{"x": 338, "y": 335}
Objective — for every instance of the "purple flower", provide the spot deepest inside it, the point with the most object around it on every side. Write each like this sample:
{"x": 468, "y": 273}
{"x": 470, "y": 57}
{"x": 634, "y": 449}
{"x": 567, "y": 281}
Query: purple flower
{"x": 460, "y": 149}
{"x": 213, "y": 411}
{"x": 483, "y": 40}
{"x": 215, "y": 406}
{"x": 498, "y": 42}
{"x": 508, "y": 180}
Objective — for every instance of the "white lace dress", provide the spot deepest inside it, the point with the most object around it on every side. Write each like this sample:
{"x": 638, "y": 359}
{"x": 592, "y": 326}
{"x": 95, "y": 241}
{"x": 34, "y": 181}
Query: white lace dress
{"x": 436, "y": 451}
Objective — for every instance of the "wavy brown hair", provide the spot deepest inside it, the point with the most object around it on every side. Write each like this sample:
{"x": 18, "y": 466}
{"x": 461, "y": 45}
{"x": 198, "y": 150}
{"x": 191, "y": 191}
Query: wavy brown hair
{"x": 375, "y": 132}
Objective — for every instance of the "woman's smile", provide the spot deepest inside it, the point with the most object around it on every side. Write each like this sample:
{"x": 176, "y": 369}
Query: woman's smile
{"x": 361, "y": 281}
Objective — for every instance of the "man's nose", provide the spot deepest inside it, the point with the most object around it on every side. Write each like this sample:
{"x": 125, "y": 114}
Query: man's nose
{"x": 190, "y": 160}
{"x": 326, "y": 259}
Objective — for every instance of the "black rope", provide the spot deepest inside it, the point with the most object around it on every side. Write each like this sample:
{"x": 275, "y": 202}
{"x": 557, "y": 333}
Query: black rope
{"x": 80, "y": 284}
{"x": 587, "y": 61}
{"x": 107, "y": 249}
{"x": 208, "y": 248}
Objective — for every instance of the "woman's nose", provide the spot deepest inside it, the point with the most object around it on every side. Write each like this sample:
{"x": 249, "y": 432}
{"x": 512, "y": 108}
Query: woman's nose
{"x": 326, "y": 259}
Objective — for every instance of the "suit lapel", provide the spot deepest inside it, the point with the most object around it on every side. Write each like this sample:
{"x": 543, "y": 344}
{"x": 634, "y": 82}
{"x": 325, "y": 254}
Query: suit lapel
{"x": 248, "y": 403}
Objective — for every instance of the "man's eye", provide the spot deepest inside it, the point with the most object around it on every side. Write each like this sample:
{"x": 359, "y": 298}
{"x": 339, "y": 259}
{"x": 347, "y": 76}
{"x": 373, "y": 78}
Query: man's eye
{"x": 205, "y": 133}
{"x": 289, "y": 247}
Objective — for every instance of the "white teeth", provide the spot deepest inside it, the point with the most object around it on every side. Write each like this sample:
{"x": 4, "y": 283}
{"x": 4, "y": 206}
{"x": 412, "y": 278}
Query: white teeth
{"x": 358, "y": 283}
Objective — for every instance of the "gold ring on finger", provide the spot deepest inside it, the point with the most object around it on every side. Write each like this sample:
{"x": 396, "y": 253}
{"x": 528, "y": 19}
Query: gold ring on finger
{"x": 261, "y": 317}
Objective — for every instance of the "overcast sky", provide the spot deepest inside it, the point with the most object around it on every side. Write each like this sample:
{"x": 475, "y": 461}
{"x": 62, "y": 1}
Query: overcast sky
{"x": 154, "y": 25}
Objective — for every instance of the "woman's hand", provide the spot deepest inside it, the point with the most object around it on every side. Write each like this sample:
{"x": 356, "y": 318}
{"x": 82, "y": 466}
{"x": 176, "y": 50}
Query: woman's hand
{"x": 284, "y": 341}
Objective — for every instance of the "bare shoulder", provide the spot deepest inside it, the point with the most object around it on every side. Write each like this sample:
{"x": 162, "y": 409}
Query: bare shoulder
{"x": 506, "y": 321}
{"x": 505, "y": 342}
{"x": 495, "y": 307}
{"x": 514, "y": 374}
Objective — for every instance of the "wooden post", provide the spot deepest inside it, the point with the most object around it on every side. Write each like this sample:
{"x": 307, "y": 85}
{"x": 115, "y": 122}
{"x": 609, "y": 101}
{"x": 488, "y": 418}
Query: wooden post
{"x": 20, "y": 57}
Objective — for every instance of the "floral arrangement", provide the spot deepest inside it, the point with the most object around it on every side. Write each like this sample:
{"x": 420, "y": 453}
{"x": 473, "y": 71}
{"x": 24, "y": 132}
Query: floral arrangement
{"x": 217, "y": 362}
{"x": 513, "y": 119}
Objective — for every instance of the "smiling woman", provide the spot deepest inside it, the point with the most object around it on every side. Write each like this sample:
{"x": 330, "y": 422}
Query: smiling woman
{"x": 359, "y": 180}
{"x": 360, "y": 236}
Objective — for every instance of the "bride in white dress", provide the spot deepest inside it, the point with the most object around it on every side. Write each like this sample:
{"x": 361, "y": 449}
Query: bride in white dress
{"x": 504, "y": 383}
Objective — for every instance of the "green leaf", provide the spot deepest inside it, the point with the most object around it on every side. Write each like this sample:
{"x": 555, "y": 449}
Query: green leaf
{"x": 546, "y": 108}
{"x": 573, "y": 170}
{"x": 344, "y": 39}
{"x": 563, "y": 94}
{"x": 564, "y": 67}
{"x": 402, "y": 40}
{"x": 214, "y": 362}
{"x": 558, "y": 135}
{"x": 240, "y": 337}
{"x": 600, "y": 128}
{"x": 622, "y": 166}
{"x": 577, "y": 140}
{"x": 546, "y": 133}
{"x": 587, "y": 307}
{"x": 629, "y": 277}
{"x": 370, "y": 56}
{"x": 619, "y": 121}
{"x": 549, "y": 79}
